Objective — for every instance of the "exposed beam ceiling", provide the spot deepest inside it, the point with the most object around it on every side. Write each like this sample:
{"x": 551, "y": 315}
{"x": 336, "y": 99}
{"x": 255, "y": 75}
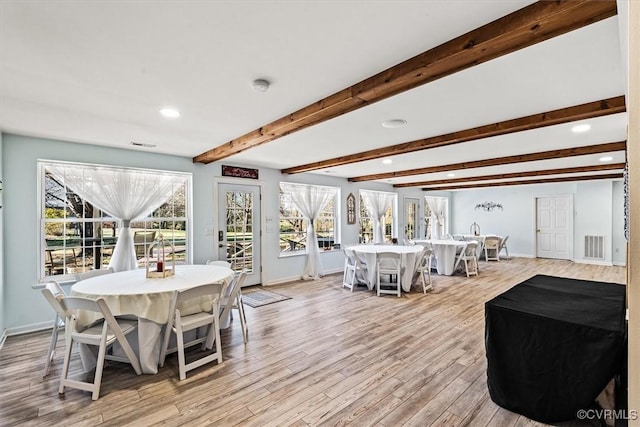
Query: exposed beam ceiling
{"x": 544, "y": 155}
{"x": 559, "y": 171}
{"x": 524, "y": 182}
{"x": 525, "y": 27}
{"x": 563, "y": 115}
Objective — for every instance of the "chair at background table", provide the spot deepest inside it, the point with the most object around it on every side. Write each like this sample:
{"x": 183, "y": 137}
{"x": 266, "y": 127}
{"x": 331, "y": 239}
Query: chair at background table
{"x": 141, "y": 241}
{"x": 352, "y": 266}
{"x": 93, "y": 273}
{"x": 180, "y": 323}
{"x": 470, "y": 258}
{"x": 492, "y": 248}
{"x": 424, "y": 266}
{"x": 232, "y": 299}
{"x": 54, "y": 295}
{"x": 102, "y": 334}
{"x": 220, "y": 263}
{"x": 503, "y": 245}
{"x": 389, "y": 263}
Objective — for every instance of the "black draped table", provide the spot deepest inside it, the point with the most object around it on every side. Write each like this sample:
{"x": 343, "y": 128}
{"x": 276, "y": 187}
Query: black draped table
{"x": 553, "y": 344}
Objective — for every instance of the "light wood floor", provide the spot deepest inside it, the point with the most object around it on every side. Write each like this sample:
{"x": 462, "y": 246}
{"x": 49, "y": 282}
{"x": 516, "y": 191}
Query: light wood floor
{"x": 325, "y": 357}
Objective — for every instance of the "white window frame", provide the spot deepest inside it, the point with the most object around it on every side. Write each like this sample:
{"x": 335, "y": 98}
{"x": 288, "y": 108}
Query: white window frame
{"x": 42, "y": 220}
{"x": 394, "y": 215}
{"x": 336, "y": 219}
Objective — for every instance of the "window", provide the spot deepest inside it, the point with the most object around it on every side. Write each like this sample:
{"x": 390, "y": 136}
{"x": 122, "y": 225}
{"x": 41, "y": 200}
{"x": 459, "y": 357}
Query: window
{"x": 76, "y": 236}
{"x": 367, "y": 222}
{"x": 293, "y": 224}
{"x": 436, "y": 214}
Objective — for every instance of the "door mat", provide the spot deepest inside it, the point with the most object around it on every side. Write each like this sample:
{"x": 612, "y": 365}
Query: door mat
{"x": 260, "y": 298}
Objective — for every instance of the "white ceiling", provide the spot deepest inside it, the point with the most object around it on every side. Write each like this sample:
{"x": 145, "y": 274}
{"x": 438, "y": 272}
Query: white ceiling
{"x": 98, "y": 73}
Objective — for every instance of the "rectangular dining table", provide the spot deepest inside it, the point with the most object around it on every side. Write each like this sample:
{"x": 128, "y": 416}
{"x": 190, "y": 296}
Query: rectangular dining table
{"x": 131, "y": 293}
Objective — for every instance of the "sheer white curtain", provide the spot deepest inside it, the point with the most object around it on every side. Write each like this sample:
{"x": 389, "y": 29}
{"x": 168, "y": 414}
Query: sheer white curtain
{"x": 377, "y": 203}
{"x": 437, "y": 205}
{"x": 310, "y": 200}
{"x": 122, "y": 193}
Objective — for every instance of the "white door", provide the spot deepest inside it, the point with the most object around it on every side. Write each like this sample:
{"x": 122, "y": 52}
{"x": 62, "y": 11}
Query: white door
{"x": 411, "y": 224}
{"x": 554, "y": 227}
{"x": 239, "y": 229}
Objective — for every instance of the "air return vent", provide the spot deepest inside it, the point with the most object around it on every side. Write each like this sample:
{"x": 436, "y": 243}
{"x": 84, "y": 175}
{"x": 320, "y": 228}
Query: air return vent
{"x": 594, "y": 247}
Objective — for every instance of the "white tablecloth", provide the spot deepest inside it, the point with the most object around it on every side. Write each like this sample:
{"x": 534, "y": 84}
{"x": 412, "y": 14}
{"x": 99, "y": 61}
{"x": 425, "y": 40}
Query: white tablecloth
{"x": 410, "y": 257}
{"x": 131, "y": 293}
{"x": 446, "y": 253}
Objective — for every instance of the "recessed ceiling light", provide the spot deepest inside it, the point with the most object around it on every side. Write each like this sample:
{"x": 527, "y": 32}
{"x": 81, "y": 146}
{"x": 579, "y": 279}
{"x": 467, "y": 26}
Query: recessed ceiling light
{"x": 387, "y": 161}
{"x": 606, "y": 159}
{"x": 451, "y": 175}
{"x": 581, "y": 128}
{"x": 170, "y": 113}
{"x": 260, "y": 85}
{"x": 394, "y": 123}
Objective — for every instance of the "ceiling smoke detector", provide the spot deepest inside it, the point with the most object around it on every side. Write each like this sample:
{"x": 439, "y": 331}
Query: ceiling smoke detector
{"x": 260, "y": 85}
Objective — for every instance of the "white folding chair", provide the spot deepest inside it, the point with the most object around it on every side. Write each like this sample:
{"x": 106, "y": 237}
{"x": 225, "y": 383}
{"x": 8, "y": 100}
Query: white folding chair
{"x": 54, "y": 295}
{"x": 470, "y": 258}
{"x": 492, "y": 248}
{"x": 221, "y": 263}
{"x": 352, "y": 267}
{"x": 424, "y": 266}
{"x": 503, "y": 245}
{"x": 191, "y": 301}
{"x": 233, "y": 300}
{"x": 102, "y": 334}
{"x": 389, "y": 263}
{"x": 93, "y": 273}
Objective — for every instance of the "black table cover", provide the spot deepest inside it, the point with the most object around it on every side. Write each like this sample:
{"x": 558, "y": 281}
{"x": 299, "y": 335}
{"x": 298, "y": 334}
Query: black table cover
{"x": 553, "y": 344}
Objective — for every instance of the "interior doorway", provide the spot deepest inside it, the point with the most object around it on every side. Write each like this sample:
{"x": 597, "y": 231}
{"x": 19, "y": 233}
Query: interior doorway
{"x": 554, "y": 227}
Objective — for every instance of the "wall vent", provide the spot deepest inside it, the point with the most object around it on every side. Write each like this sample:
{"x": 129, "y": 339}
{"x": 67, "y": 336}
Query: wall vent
{"x": 594, "y": 247}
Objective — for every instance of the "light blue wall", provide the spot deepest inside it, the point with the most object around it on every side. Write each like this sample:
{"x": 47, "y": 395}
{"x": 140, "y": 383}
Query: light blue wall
{"x": 596, "y": 211}
{"x": 24, "y": 308}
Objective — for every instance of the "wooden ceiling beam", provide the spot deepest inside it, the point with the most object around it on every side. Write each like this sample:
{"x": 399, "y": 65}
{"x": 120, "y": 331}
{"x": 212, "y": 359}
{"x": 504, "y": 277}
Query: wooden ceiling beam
{"x": 560, "y": 171}
{"x": 563, "y": 115}
{"x": 525, "y": 27}
{"x": 498, "y": 161}
{"x": 525, "y": 182}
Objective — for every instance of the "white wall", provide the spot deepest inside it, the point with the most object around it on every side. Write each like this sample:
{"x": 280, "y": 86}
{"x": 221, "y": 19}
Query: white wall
{"x": 25, "y": 308}
{"x": 2, "y": 307}
{"x": 619, "y": 243}
{"x": 597, "y": 209}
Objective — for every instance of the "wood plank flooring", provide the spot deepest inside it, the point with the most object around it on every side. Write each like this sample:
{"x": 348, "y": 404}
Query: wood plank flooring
{"x": 325, "y": 357}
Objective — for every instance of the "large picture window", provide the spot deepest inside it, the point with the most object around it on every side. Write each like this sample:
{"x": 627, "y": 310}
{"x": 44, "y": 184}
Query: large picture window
{"x": 372, "y": 204}
{"x": 293, "y": 224}
{"x": 77, "y": 236}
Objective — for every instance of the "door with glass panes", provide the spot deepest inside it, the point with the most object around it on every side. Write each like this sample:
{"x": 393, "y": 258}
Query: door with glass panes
{"x": 239, "y": 229}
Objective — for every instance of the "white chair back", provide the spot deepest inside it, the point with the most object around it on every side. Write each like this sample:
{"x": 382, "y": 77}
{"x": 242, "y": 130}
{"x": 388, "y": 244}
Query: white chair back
{"x": 93, "y": 273}
{"x": 220, "y": 263}
{"x": 101, "y": 335}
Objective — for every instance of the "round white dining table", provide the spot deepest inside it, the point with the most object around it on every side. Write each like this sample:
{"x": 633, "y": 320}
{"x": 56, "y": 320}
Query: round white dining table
{"x": 410, "y": 257}
{"x": 446, "y": 253}
{"x": 132, "y": 293}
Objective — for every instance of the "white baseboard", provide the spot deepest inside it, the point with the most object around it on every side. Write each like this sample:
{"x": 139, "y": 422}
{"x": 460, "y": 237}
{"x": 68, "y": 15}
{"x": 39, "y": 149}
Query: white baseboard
{"x": 284, "y": 280}
{"x": 620, "y": 264}
{"x": 520, "y": 256}
{"x": 593, "y": 262}
{"x": 36, "y": 327}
